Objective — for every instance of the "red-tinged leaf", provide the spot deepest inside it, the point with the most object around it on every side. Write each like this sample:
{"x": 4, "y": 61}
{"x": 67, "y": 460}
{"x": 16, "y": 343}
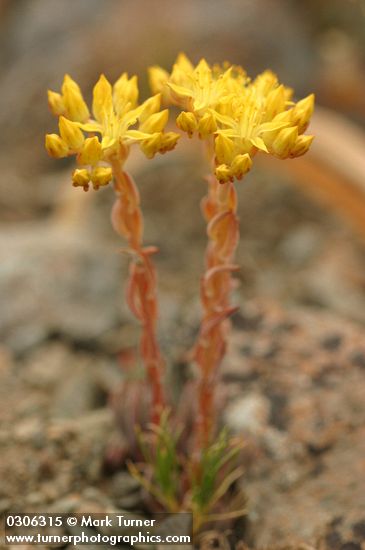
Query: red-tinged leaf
{"x": 217, "y": 318}
{"x": 118, "y": 219}
{"x": 213, "y": 271}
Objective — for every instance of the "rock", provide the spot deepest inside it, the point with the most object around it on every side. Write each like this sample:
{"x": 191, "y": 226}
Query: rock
{"x": 65, "y": 505}
{"x": 30, "y": 430}
{"x": 35, "y": 499}
{"x": 175, "y": 524}
{"x": 5, "y": 505}
{"x": 56, "y": 282}
{"x": 77, "y": 392}
{"x": 300, "y": 245}
{"x": 308, "y": 437}
{"x": 248, "y": 414}
{"x": 125, "y": 490}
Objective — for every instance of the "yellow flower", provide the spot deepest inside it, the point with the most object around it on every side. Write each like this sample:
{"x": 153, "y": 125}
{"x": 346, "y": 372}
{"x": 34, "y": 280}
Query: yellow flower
{"x": 118, "y": 122}
{"x": 240, "y": 116}
{"x": 194, "y": 89}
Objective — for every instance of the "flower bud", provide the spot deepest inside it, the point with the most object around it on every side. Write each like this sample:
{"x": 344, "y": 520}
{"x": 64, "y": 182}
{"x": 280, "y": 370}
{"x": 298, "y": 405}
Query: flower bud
{"x": 151, "y": 145}
{"x": 284, "y": 142}
{"x": 187, "y": 122}
{"x": 71, "y": 133}
{"x": 241, "y": 165}
{"x": 207, "y": 125}
{"x": 55, "y": 146}
{"x": 223, "y": 173}
{"x": 101, "y": 175}
{"x": 302, "y": 112}
{"x": 56, "y": 103}
{"x": 169, "y": 141}
{"x": 81, "y": 178}
{"x": 301, "y": 146}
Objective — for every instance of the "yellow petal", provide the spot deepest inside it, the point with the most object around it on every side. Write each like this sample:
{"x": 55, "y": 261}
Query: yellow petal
{"x": 157, "y": 79}
{"x": 149, "y": 107}
{"x": 184, "y": 63}
{"x": 273, "y": 126}
{"x": 107, "y": 142}
{"x": 229, "y": 132}
{"x": 130, "y": 118}
{"x": 91, "y": 151}
{"x": 179, "y": 92}
{"x": 56, "y": 103}
{"x": 125, "y": 91}
{"x": 259, "y": 143}
{"x": 102, "y": 99}
{"x": 75, "y": 105}
{"x": 156, "y": 122}
{"x": 224, "y": 148}
{"x": 225, "y": 120}
{"x": 302, "y": 112}
{"x": 71, "y": 133}
{"x": 203, "y": 72}
{"x": 91, "y": 127}
{"x": 275, "y": 102}
{"x": 137, "y": 135}
{"x": 207, "y": 125}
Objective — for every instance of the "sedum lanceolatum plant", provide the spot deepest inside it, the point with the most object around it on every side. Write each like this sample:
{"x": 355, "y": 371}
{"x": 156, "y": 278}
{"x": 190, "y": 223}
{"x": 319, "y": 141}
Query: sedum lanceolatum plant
{"x": 101, "y": 142}
{"x": 236, "y": 118}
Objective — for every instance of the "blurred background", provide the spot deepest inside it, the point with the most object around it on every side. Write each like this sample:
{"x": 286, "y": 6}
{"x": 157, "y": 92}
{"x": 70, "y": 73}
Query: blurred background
{"x": 302, "y": 221}
{"x": 63, "y": 320}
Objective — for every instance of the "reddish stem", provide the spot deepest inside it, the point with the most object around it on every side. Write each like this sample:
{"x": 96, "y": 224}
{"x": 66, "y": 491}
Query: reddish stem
{"x": 141, "y": 291}
{"x": 219, "y": 210}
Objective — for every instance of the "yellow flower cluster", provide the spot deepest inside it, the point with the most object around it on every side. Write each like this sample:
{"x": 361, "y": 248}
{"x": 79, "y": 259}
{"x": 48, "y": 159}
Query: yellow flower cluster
{"x": 243, "y": 116}
{"x": 118, "y": 122}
